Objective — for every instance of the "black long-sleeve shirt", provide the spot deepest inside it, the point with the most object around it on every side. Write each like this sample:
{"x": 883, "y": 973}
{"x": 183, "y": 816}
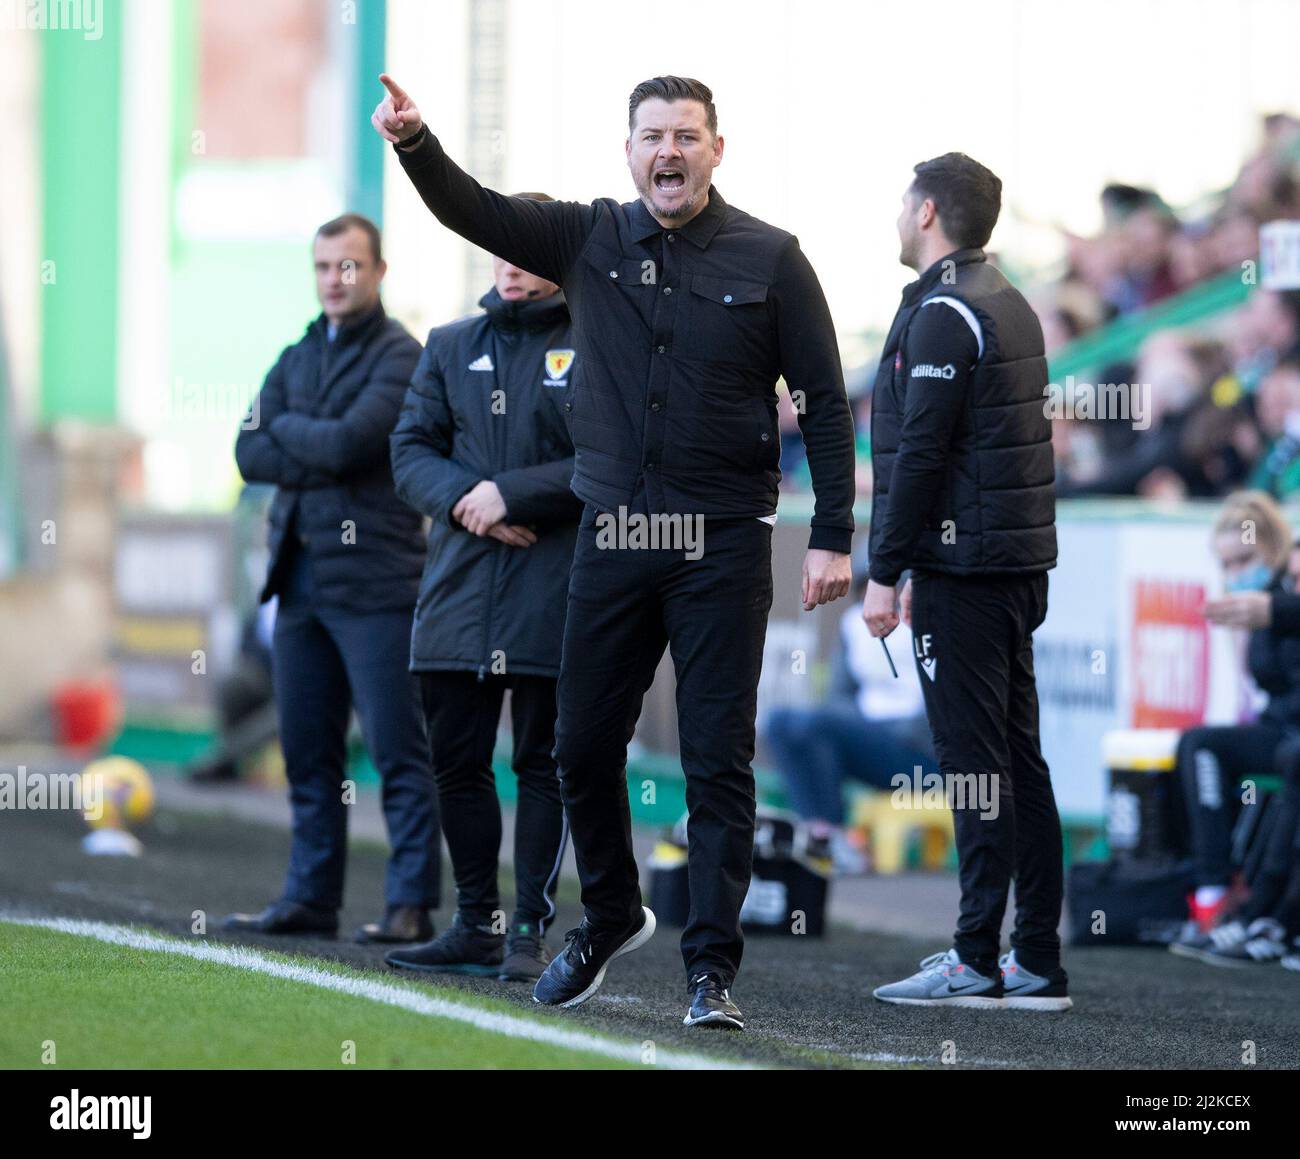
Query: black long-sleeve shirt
{"x": 680, "y": 337}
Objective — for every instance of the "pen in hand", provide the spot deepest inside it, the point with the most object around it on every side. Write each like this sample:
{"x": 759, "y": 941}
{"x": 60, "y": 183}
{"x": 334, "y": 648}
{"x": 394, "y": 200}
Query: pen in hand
{"x": 889, "y": 657}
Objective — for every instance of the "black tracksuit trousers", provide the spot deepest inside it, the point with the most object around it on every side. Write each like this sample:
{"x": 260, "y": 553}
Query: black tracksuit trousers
{"x": 462, "y": 713}
{"x": 972, "y": 636}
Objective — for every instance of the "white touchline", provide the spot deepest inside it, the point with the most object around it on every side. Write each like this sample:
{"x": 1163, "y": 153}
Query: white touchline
{"x": 376, "y": 991}
{"x": 879, "y": 1056}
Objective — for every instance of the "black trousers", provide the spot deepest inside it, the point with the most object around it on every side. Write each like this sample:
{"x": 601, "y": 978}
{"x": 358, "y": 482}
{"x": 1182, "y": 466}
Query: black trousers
{"x": 974, "y": 652}
{"x": 625, "y": 606}
{"x": 1212, "y": 759}
{"x": 327, "y": 661}
{"x": 462, "y": 713}
{"x": 1275, "y": 892}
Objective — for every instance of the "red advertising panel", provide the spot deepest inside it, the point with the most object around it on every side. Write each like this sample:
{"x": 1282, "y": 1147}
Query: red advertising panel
{"x": 1171, "y": 647}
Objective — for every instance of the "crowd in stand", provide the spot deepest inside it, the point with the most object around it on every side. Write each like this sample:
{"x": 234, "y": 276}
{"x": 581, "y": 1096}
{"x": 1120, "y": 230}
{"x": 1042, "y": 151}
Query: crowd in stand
{"x": 1220, "y": 400}
{"x": 1215, "y": 405}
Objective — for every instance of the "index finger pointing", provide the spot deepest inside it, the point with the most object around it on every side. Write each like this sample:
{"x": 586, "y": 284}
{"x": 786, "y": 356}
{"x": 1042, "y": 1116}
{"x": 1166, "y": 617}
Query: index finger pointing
{"x": 398, "y": 93}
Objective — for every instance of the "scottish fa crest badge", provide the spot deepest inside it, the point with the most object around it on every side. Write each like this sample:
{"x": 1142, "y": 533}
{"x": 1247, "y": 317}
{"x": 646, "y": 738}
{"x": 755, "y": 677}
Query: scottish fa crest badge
{"x": 557, "y": 366}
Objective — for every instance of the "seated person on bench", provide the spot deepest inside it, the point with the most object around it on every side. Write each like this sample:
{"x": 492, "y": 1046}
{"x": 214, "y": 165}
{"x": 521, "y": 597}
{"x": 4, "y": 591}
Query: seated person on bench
{"x": 870, "y": 728}
{"x": 1252, "y": 541}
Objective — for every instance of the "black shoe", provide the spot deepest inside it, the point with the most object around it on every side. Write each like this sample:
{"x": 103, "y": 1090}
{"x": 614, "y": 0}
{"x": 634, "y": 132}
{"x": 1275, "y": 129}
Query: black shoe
{"x": 711, "y": 1005}
{"x": 402, "y": 923}
{"x": 577, "y": 973}
{"x": 461, "y": 949}
{"x": 286, "y": 917}
{"x": 213, "y": 773}
{"x": 526, "y": 955}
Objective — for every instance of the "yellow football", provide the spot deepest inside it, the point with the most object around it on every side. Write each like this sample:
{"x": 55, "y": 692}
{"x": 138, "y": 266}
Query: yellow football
{"x": 116, "y": 793}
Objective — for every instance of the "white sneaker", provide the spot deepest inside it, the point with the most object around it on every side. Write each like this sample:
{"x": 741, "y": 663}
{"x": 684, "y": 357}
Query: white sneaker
{"x": 944, "y": 980}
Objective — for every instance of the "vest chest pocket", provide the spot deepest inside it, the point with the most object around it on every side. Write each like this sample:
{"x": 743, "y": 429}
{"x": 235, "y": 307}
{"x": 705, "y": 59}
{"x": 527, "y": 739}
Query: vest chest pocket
{"x": 725, "y": 320}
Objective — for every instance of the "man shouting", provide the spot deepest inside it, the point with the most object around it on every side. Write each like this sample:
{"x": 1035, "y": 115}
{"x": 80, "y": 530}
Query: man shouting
{"x": 686, "y": 312}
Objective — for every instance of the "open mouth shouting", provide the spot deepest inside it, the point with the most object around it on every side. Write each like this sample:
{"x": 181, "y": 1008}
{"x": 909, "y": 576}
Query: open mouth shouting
{"x": 669, "y": 180}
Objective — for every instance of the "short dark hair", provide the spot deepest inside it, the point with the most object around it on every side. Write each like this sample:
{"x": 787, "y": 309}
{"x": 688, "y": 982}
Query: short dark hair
{"x": 673, "y": 88}
{"x": 347, "y": 221}
{"x": 967, "y": 197}
{"x": 1118, "y": 201}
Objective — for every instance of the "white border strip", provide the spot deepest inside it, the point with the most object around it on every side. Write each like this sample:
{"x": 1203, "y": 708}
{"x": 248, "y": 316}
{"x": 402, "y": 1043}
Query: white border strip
{"x": 965, "y": 311}
{"x": 374, "y": 990}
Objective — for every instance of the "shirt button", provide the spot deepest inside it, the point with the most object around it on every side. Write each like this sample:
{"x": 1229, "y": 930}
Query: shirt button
{"x": 649, "y": 466}
{"x": 661, "y": 349}
{"x": 654, "y": 406}
{"x": 668, "y": 289}
{"x": 726, "y": 297}
{"x": 764, "y": 436}
{"x": 613, "y": 273}
{"x": 568, "y": 406}
{"x": 672, "y": 237}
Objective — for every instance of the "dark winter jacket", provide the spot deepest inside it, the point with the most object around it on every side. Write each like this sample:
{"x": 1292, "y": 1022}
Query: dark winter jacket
{"x": 488, "y": 402}
{"x": 319, "y": 430}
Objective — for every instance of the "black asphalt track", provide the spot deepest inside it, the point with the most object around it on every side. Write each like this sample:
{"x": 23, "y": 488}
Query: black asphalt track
{"x": 808, "y": 1002}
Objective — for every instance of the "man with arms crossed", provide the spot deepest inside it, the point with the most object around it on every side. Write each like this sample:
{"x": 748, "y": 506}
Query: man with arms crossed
{"x": 686, "y": 312}
{"x": 964, "y": 496}
{"x": 345, "y": 557}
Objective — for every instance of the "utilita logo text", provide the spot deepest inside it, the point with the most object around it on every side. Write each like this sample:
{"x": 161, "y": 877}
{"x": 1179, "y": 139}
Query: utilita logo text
{"x": 925, "y": 370}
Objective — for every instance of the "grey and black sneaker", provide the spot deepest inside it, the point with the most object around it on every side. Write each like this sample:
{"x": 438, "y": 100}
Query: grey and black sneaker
{"x": 462, "y": 948}
{"x": 1264, "y": 940}
{"x": 526, "y": 954}
{"x": 575, "y": 974}
{"x": 711, "y": 1005}
{"x": 945, "y": 980}
{"x": 1190, "y": 941}
{"x": 1025, "y": 990}
{"x": 1202, "y": 945}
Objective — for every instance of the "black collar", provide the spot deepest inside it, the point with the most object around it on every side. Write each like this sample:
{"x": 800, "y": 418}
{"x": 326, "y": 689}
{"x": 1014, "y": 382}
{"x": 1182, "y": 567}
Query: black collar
{"x": 933, "y": 274}
{"x": 353, "y": 328}
{"x": 539, "y": 314}
{"x": 698, "y": 231}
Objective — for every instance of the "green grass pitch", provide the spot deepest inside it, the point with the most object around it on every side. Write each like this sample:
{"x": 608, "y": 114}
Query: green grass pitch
{"x": 108, "y": 1006}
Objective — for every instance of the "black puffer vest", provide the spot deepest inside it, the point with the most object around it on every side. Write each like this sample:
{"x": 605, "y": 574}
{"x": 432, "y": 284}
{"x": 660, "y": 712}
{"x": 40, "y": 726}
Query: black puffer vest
{"x": 996, "y": 509}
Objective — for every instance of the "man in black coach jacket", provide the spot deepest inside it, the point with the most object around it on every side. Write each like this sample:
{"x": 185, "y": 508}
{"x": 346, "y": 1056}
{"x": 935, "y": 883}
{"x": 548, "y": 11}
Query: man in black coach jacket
{"x": 345, "y": 563}
{"x": 483, "y": 449}
{"x": 686, "y": 312}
